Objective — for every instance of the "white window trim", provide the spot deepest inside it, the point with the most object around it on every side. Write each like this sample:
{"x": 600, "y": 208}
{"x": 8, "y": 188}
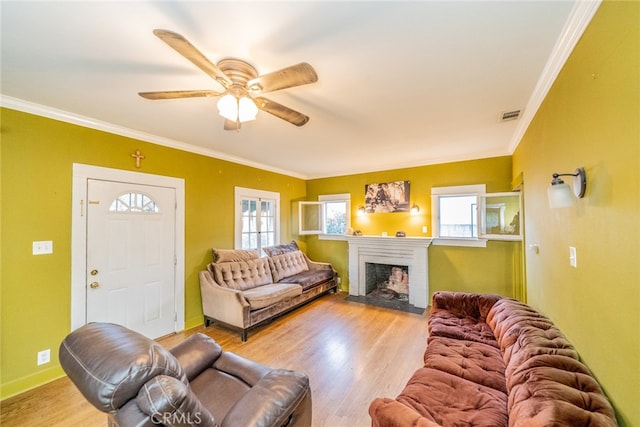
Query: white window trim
{"x": 242, "y": 192}
{"x": 318, "y": 205}
{"x": 346, "y": 197}
{"x": 459, "y": 190}
{"x": 340, "y": 197}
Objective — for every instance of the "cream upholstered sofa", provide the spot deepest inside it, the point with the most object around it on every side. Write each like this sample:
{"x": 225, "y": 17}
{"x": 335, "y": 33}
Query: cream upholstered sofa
{"x": 242, "y": 290}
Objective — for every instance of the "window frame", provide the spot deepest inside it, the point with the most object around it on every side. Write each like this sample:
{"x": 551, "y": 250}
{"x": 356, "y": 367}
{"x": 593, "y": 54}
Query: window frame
{"x": 455, "y": 191}
{"x": 482, "y": 209}
{"x": 321, "y": 205}
{"x": 241, "y": 194}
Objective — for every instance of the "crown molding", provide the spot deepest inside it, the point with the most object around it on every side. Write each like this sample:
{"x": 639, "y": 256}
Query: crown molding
{"x": 578, "y": 21}
{"x": 88, "y": 122}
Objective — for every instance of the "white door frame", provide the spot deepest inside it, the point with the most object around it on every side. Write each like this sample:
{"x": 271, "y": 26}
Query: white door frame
{"x": 81, "y": 174}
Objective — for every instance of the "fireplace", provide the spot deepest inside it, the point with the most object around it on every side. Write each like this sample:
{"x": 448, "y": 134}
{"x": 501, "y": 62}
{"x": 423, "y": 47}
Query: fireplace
{"x": 387, "y": 281}
{"x": 407, "y": 254}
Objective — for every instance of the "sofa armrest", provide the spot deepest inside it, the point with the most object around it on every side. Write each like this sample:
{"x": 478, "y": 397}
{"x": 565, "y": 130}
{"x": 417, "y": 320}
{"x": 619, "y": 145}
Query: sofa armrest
{"x": 387, "y": 412}
{"x": 464, "y": 304}
{"x": 281, "y": 397}
{"x": 168, "y": 401}
{"x": 223, "y": 304}
{"x": 316, "y": 265}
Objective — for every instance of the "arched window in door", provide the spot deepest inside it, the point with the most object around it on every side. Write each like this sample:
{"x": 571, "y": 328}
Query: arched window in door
{"x": 134, "y": 203}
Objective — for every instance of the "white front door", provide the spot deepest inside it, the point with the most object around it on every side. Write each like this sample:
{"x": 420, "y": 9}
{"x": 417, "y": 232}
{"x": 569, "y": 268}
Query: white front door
{"x": 131, "y": 256}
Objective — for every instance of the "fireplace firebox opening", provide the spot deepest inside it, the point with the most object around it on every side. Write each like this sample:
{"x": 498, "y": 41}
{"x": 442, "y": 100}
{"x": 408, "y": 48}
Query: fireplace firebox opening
{"x": 387, "y": 281}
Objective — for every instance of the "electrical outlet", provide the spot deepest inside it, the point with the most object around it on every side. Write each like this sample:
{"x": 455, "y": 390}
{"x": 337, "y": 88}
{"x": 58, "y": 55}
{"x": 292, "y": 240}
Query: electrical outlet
{"x": 44, "y": 356}
{"x": 43, "y": 247}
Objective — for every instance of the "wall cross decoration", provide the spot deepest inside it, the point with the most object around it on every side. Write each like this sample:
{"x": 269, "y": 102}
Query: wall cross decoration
{"x": 138, "y": 156}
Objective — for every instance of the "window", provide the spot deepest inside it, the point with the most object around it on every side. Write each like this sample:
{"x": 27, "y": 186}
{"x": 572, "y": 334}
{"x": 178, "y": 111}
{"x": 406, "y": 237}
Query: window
{"x": 328, "y": 216}
{"x": 134, "y": 203}
{"x": 468, "y": 216}
{"x": 455, "y": 215}
{"x": 500, "y": 217}
{"x": 458, "y": 216}
{"x": 257, "y": 218}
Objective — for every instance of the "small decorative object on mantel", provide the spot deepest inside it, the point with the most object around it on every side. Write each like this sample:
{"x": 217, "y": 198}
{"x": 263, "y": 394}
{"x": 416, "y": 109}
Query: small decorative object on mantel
{"x": 357, "y": 233}
{"x": 401, "y": 234}
{"x": 138, "y": 156}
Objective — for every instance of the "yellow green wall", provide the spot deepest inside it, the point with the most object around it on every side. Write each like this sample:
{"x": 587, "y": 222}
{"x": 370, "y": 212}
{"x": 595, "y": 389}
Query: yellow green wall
{"x": 591, "y": 118}
{"x": 492, "y": 269}
{"x": 37, "y": 158}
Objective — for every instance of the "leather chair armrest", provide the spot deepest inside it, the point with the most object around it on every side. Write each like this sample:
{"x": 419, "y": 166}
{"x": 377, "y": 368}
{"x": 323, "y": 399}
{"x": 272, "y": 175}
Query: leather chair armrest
{"x": 247, "y": 370}
{"x": 387, "y": 412}
{"x": 130, "y": 415}
{"x": 280, "y": 398}
{"x": 196, "y": 353}
{"x": 168, "y": 401}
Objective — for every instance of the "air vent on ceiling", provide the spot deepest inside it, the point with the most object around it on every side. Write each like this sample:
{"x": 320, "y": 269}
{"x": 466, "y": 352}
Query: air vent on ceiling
{"x": 509, "y": 115}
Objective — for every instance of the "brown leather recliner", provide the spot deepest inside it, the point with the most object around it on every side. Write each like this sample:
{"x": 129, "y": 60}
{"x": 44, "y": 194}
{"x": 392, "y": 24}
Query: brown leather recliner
{"x": 140, "y": 383}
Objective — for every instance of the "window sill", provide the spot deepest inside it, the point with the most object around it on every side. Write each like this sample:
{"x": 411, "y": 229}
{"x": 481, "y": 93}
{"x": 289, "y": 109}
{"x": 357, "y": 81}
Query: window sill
{"x": 332, "y": 237}
{"x": 473, "y": 243}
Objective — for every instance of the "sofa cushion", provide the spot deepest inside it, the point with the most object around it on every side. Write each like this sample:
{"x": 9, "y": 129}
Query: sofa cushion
{"x": 507, "y": 317}
{"x": 444, "y": 323}
{"x": 266, "y": 295}
{"x": 242, "y": 275}
{"x": 465, "y": 304}
{"x": 311, "y": 278}
{"x": 555, "y": 390}
{"x": 533, "y": 341}
{"x": 231, "y": 255}
{"x": 453, "y": 401}
{"x": 287, "y": 264}
{"x": 477, "y": 362}
{"x": 292, "y": 246}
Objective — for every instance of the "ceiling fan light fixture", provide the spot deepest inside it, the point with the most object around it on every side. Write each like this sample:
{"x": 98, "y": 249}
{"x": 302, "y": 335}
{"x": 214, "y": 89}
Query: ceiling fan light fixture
{"x": 241, "y": 83}
{"x": 234, "y": 109}
{"x": 228, "y": 107}
{"x": 247, "y": 109}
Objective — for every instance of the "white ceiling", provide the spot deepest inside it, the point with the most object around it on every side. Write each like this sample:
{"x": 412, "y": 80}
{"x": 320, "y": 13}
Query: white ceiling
{"x": 400, "y": 83}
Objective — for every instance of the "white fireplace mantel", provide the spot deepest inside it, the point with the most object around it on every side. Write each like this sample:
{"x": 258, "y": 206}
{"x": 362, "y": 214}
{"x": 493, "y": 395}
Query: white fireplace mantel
{"x": 406, "y": 251}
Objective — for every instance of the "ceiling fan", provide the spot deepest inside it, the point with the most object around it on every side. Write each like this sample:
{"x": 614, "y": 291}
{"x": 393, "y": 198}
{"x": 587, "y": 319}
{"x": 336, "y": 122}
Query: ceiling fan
{"x": 240, "y": 100}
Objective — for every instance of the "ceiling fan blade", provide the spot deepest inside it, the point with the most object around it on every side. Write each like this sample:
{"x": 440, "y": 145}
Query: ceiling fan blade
{"x": 295, "y": 75}
{"x": 282, "y": 112}
{"x": 173, "y": 94}
{"x": 231, "y": 125}
{"x": 186, "y": 49}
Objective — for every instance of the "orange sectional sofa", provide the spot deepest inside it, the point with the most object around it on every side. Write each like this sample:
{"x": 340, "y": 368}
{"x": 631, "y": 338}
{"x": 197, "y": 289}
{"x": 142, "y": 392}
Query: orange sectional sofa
{"x": 493, "y": 362}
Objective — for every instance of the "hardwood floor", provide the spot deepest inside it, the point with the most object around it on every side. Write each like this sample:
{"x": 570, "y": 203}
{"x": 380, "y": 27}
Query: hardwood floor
{"x": 351, "y": 352}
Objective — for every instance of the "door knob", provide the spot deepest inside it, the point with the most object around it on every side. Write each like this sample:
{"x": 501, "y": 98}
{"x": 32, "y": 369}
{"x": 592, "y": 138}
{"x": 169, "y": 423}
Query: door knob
{"x": 94, "y": 272}
{"x": 94, "y": 285}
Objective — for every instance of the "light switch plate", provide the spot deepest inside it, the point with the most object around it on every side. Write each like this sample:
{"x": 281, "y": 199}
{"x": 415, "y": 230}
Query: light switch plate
{"x": 573, "y": 257}
{"x": 43, "y": 247}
